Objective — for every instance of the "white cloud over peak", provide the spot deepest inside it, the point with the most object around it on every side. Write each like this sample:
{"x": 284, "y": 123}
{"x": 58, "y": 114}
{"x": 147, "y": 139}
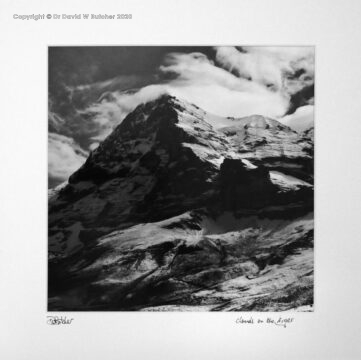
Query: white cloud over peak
{"x": 195, "y": 78}
{"x": 65, "y": 156}
{"x": 106, "y": 115}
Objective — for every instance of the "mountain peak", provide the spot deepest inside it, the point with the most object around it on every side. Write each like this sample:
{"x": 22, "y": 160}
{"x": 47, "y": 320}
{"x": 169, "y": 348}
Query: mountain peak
{"x": 162, "y": 100}
{"x": 165, "y": 128}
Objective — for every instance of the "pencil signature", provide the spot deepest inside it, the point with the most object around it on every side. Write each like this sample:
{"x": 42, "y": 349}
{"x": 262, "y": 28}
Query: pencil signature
{"x": 59, "y": 320}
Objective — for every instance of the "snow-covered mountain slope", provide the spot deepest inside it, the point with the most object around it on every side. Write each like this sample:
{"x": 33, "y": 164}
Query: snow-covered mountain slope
{"x": 274, "y": 145}
{"x": 151, "y": 192}
{"x": 194, "y": 260}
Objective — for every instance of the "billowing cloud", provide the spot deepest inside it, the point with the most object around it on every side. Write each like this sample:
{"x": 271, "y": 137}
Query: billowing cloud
{"x": 65, "y": 156}
{"x": 217, "y": 90}
{"x": 280, "y": 68}
{"x": 109, "y": 112}
{"x": 301, "y": 119}
{"x": 195, "y": 78}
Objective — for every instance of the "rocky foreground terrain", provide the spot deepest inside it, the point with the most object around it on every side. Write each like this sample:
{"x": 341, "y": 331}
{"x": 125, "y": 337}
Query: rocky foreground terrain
{"x": 181, "y": 210}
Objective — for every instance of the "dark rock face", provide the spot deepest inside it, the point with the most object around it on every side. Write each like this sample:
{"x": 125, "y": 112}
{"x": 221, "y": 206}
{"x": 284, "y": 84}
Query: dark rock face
{"x": 241, "y": 187}
{"x": 151, "y": 164}
{"x": 169, "y": 213}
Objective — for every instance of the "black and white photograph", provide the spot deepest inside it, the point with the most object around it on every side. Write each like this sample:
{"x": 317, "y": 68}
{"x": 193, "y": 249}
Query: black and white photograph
{"x": 181, "y": 178}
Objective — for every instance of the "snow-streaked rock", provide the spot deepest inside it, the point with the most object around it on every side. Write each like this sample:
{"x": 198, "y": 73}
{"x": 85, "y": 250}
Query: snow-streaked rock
{"x": 178, "y": 209}
{"x": 221, "y": 263}
{"x": 274, "y": 145}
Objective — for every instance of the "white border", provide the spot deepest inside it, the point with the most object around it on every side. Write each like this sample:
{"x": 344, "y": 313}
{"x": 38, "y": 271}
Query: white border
{"x": 331, "y": 332}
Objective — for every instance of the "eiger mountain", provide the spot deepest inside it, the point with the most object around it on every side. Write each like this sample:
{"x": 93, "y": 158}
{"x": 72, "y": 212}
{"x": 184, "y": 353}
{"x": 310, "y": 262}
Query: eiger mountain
{"x": 178, "y": 209}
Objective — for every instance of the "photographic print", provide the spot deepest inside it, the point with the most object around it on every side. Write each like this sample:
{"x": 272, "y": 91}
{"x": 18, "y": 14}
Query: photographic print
{"x": 181, "y": 178}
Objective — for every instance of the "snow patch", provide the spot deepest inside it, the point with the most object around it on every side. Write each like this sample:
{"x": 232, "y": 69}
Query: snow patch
{"x": 287, "y": 181}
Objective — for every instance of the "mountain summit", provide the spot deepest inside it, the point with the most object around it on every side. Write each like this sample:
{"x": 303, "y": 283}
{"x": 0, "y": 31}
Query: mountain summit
{"x": 172, "y": 203}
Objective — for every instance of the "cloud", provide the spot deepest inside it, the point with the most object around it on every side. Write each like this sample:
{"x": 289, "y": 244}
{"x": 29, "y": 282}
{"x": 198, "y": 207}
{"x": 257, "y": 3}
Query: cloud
{"x": 199, "y": 80}
{"x": 108, "y": 113}
{"x": 65, "y": 156}
{"x": 227, "y": 102}
{"x": 93, "y": 146}
{"x": 285, "y": 69}
{"x": 195, "y": 78}
{"x": 301, "y": 119}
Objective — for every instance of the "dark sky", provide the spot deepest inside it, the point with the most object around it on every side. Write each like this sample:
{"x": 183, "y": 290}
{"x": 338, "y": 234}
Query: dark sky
{"x": 88, "y": 64}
